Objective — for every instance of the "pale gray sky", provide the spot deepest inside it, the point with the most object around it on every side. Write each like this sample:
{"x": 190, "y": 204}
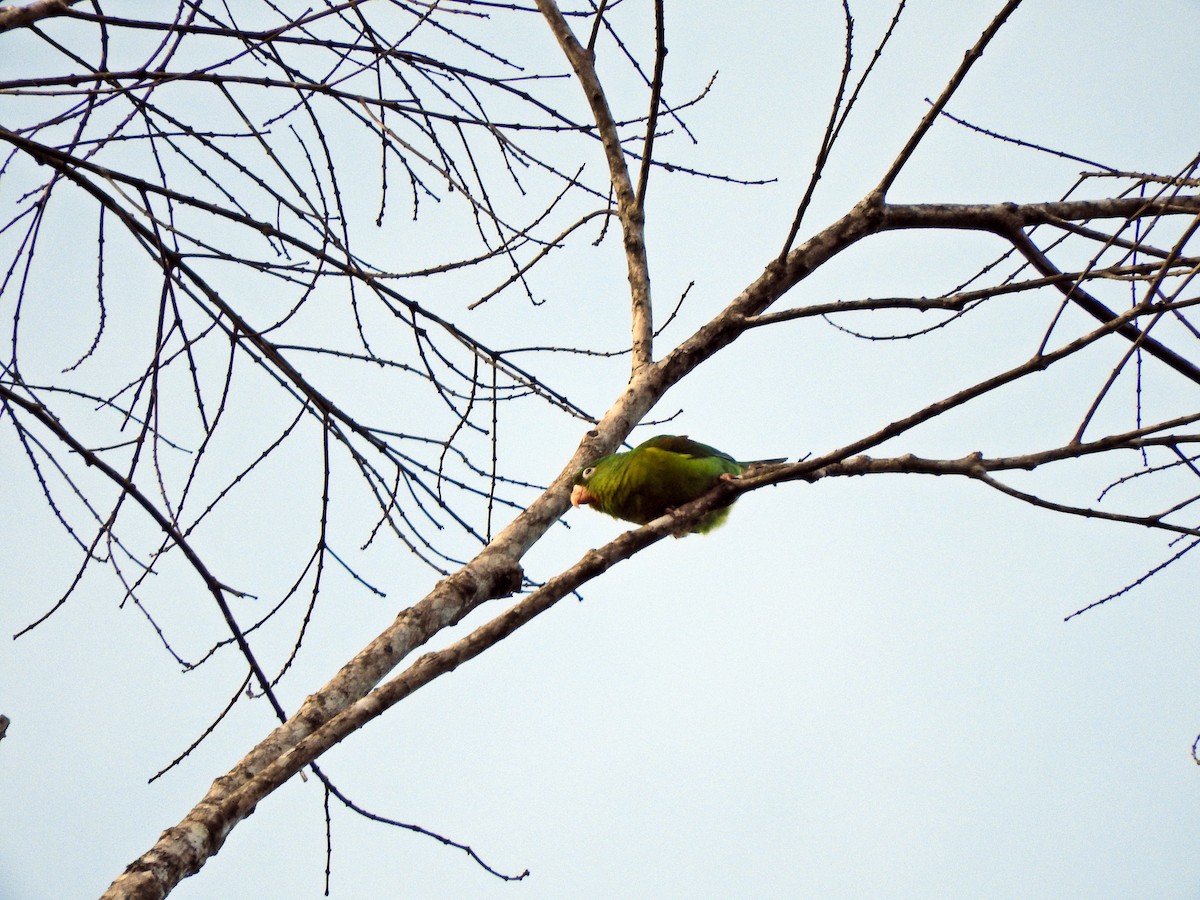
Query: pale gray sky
{"x": 862, "y": 688}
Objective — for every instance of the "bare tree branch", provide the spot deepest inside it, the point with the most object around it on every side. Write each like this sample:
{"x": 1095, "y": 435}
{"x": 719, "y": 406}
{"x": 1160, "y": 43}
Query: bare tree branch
{"x": 220, "y": 173}
{"x": 22, "y": 16}
{"x": 629, "y": 206}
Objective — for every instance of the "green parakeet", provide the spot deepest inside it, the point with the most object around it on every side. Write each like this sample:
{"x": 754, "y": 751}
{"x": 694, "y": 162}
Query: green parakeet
{"x": 655, "y": 477}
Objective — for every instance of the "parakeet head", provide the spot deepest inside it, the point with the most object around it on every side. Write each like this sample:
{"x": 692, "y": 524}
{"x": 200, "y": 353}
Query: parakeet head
{"x": 580, "y": 495}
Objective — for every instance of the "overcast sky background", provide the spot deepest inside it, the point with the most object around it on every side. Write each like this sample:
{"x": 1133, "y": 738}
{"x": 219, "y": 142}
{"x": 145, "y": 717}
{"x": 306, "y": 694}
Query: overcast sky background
{"x": 859, "y": 688}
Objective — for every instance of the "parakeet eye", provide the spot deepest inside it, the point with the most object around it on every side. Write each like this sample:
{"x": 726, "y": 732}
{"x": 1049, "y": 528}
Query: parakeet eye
{"x": 587, "y": 473}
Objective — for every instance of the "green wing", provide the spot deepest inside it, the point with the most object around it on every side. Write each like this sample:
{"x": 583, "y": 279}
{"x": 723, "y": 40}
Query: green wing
{"x": 684, "y": 446}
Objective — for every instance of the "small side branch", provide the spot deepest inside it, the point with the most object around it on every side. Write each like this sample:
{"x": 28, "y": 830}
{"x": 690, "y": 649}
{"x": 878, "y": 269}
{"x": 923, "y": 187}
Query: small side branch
{"x": 971, "y": 57}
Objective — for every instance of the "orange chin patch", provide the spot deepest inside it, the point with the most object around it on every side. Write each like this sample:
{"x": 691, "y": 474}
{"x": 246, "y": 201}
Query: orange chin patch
{"x": 581, "y": 496}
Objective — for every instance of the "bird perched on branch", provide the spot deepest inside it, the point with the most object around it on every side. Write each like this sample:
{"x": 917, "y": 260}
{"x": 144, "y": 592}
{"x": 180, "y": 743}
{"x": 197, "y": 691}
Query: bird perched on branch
{"x": 656, "y": 477}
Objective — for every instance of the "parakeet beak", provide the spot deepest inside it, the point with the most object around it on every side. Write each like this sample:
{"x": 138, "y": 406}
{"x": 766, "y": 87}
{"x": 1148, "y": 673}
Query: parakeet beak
{"x": 581, "y": 496}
